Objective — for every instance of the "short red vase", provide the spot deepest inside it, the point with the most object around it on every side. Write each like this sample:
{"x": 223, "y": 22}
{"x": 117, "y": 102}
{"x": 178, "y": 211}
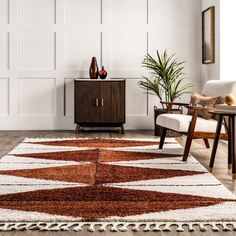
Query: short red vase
{"x": 102, "y": 73}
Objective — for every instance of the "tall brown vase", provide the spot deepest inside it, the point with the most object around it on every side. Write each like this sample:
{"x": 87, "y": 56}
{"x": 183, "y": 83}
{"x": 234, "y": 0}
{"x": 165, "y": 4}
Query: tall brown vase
{"x": 93, "y": 71}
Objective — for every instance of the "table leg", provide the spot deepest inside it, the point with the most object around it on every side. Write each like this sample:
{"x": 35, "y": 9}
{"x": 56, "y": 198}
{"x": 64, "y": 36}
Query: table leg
{"x": 229, "y": 143}
{"x": 216, "y": 141}
{"x": 232, "y": 154}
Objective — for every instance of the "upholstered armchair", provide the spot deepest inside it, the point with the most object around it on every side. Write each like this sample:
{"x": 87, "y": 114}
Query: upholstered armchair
{"x": 193, "y": 126}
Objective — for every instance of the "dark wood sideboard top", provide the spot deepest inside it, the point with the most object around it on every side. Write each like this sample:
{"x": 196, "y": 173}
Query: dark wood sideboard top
{"x": 100, "y": 80}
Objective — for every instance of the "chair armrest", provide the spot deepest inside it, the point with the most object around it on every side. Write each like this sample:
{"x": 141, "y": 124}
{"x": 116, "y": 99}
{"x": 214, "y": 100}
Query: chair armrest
{"x": 169, "y": 105}
{"x": 175, "y": 103}
{"x": 196, "y": 108}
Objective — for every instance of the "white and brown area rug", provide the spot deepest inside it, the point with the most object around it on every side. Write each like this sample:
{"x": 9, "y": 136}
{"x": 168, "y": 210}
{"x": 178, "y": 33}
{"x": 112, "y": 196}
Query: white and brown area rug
{"x": 115, "y": 184}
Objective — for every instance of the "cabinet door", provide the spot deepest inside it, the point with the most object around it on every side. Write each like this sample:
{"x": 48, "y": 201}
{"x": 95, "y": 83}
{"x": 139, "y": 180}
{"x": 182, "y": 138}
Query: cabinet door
{"x": 87, "y": 96}
{"x": 113, "y": 102}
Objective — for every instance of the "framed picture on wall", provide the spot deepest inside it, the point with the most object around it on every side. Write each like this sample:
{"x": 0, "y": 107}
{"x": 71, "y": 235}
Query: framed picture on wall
{"x": 208, "y": 35}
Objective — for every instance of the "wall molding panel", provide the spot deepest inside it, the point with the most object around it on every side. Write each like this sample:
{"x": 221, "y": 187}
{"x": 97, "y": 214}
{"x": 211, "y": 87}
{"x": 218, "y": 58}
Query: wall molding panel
{"x": 80, "y": 12}
{"x": 36, "y": 51}
{"x": 121, "y": 13}
{"x": 45, "y": 44}
{"x": 37, "y": 97}
{"x": 4, "y": 97}
{"x": 5, "y": 51}
{"x": 36, "y": 12}
{"x": 4, "y": 11}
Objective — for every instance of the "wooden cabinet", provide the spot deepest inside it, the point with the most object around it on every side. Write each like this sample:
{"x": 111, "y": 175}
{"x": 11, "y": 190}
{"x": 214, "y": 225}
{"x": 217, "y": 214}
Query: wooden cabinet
{"x": 99, "y": 103}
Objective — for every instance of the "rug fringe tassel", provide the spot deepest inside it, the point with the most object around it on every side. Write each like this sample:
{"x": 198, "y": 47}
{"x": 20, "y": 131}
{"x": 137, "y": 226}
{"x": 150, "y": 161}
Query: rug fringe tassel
{"x": 120, "y": 227}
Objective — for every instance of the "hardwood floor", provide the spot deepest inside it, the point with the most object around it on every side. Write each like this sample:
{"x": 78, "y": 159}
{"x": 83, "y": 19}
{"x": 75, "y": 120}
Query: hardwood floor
{"x": 9, "y": 139}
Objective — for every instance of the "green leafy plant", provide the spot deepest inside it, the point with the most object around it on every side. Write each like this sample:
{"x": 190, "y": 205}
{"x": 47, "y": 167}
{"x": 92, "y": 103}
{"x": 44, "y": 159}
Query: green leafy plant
{"x": 166, "y": 74}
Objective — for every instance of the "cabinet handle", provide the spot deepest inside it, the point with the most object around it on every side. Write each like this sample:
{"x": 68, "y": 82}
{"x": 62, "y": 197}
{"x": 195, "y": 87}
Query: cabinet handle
{"x": 102, "y": 102}
{"x": 96, "y": 102}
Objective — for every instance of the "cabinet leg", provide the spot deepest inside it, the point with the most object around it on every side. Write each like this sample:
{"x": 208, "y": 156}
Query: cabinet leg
{"x": 122, "y": 129}
{"x": 77, "y": 130}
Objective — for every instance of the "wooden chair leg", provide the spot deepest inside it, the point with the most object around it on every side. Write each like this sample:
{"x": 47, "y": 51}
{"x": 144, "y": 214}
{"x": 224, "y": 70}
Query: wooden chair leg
{"x": 207, "y": 144}
{"x": 163, "y": 136}
{"x": 215, "y": 144}
{"x": 190, "y": 135}
{"x": 187, "y": 147}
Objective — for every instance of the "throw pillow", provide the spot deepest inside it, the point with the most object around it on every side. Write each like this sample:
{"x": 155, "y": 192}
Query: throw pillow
{"x": 203, "y": 101}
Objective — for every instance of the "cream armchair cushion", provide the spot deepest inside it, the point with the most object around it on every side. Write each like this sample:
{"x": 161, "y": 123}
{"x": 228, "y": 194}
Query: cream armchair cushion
{"x": 180, "y": 123}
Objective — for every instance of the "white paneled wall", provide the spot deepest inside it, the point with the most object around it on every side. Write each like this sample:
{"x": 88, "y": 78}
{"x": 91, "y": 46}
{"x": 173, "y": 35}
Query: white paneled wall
{"x": 45, "y": 44}
{"x": 36, "y": 51}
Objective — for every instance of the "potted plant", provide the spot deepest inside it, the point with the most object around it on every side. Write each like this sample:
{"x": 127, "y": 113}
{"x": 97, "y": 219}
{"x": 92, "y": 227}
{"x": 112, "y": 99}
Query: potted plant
{"x": 165, "y": 82}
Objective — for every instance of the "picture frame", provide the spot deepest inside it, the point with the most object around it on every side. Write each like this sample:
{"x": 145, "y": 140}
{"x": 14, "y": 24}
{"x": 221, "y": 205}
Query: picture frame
{"x": 208, "y": 36}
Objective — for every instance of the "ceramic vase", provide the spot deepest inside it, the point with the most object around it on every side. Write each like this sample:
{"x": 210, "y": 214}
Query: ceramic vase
{"x": 93, "y": 71}
{"x": 102, "y": 73}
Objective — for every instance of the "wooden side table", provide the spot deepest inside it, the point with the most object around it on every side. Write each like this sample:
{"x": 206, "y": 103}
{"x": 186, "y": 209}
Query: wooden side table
{"x": 231, "y": 140}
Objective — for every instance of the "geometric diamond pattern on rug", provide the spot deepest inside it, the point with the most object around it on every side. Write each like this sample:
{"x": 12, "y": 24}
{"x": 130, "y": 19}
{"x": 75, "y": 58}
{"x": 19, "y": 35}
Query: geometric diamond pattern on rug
{"x": 98, "y": 143}
{"x": 95, "y": 202}
{"x": 79, "y": 156}
{"x": 74, "y": 173}
{"x": 118, "y": 174}
{"x": 98, "y": 173}
{"x": 97, "y": 155}
{"x": 116, "y": 156}
{"x": 106, "y": 184}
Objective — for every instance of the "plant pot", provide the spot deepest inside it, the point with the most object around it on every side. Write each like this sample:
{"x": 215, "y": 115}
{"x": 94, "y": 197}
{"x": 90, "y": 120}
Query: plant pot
{"x": 158, "y": 129}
